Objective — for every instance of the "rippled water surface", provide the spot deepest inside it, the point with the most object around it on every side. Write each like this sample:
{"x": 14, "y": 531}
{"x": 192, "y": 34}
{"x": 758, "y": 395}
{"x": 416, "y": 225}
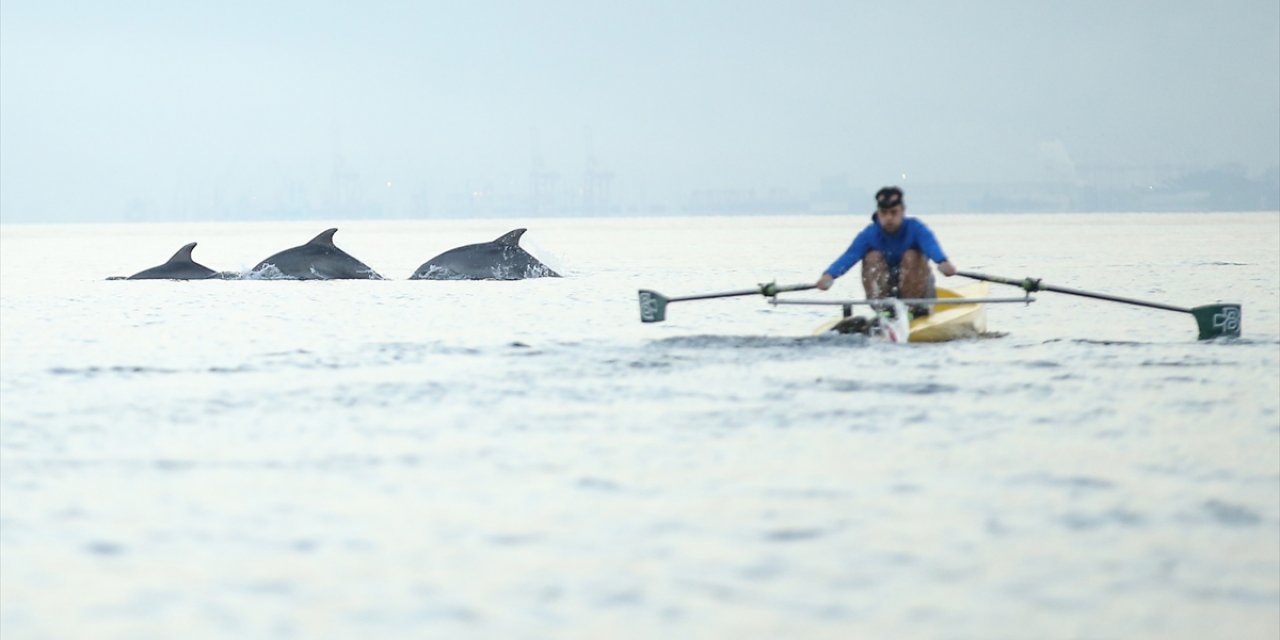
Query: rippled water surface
{"x": 527, "y": 460}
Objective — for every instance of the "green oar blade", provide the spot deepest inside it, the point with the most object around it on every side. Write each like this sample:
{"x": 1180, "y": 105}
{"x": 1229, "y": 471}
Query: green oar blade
{"x": 653, "y": 306}
{"x": 1218, "y": 320}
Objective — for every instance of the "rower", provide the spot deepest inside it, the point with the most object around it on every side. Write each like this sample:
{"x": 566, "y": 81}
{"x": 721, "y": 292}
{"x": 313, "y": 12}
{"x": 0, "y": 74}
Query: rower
{"x": 895, "y": 251}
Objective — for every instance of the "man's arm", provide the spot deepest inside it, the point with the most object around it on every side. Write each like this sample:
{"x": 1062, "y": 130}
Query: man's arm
{"x": 845, "y": 262}
{"x": 929, "y": 244}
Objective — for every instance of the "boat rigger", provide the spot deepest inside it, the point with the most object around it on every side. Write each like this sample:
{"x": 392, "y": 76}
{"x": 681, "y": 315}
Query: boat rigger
{"x": 956, "y": 314}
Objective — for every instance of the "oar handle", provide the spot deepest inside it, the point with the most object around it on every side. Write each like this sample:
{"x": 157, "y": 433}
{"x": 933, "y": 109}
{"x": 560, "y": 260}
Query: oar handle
{"x": 1034, "y": 284}
{"x": 1030, "y": 285}
{"x": 770, "y": 290}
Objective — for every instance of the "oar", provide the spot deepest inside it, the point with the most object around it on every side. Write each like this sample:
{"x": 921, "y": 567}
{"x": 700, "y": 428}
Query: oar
{"x": 1214, "y": 320}
{"x": 653, "y": 305}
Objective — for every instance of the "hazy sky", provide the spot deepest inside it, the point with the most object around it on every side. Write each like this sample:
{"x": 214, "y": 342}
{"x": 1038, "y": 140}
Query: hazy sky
{"x": 111, "y": 107}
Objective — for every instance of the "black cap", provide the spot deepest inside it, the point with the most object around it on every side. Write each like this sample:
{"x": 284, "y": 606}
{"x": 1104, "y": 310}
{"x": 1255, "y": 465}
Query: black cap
{"x": 888, "y": 197}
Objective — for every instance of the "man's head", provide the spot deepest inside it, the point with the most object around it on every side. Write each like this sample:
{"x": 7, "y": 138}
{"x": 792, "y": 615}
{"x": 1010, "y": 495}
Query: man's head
{"x": 890, "y": 209}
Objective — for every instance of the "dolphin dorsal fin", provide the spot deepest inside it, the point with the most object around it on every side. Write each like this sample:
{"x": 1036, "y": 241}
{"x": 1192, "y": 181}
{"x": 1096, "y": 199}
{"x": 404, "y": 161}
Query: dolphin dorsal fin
{"x": 511, "y": 238}
{"x": 183, "y": 254}
{"x": 325, "y": 239}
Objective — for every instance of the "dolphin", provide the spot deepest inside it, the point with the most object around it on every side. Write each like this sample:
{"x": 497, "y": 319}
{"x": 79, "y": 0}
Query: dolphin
{"x": 318, "y": 259}
{"x": 502, "y": 259}
{"x": 179, "y": 267}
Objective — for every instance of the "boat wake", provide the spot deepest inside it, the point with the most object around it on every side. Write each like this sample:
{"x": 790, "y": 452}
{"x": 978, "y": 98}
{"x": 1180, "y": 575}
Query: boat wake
{"x": 826, "y": 340}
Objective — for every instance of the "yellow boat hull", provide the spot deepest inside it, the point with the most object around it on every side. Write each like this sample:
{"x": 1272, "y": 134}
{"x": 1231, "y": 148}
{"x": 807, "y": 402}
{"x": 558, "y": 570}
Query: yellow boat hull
{"x": 952, "y": 321}
{"x": 947, "y": 321}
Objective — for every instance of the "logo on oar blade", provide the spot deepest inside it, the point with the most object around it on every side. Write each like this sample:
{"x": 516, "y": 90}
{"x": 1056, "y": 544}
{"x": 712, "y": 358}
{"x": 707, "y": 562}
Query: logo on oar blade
{"x": 1228, "y": 320}
{"x": 1218, "y": 320}
{"x": 653, "y": 306}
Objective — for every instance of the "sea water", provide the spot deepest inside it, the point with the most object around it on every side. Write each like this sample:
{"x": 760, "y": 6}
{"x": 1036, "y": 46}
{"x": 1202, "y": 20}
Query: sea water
{"x": 414, "y": 459}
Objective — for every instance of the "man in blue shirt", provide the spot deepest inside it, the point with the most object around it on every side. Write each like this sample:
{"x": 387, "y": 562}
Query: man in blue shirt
{"x": 895, "y": 251}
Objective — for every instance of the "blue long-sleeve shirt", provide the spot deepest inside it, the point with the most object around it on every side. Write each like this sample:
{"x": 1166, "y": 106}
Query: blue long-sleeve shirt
{"x": 913, "y": 234}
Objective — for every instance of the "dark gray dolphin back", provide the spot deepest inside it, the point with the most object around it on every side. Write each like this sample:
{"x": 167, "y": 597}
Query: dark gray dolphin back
{"x": 180, "y": 267}
{"x": 318, "y": 259}
{"x": 502, "y": 259}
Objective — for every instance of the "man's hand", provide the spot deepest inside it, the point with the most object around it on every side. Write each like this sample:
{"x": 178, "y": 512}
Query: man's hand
{"x": 947, "y": 268}
{"x": 825, "y": 281}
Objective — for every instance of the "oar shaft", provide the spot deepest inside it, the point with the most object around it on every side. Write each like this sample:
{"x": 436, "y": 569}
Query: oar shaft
{"x": 1103, "y": 296}
{"x": 653, "y": 305}
{"x": 723, "y": 294}
{"x": 1033, "y": 284}
{"x": 764, "y": 289}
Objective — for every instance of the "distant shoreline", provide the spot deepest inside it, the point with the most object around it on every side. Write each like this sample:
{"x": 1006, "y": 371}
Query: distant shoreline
{"x": 619, "y": 217}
